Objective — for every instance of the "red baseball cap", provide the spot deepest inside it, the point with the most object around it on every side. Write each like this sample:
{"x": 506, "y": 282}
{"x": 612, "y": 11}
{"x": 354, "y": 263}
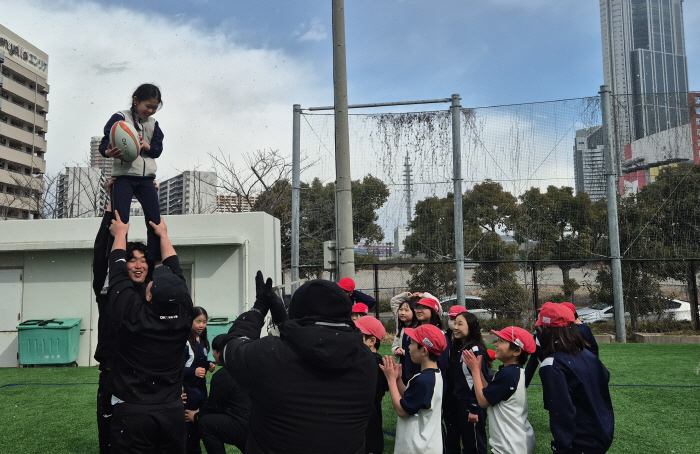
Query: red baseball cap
{"x": 372, "y": 327}
{"x": 554, "y": 315}
{"x": 429, "y": 336}
{"x": 570, "y": 306}
{"x": 456, "y": 310}
{"x": 360, "y": 308}
{"x": 431, "y": 303}
{"x": 347, "y": 284}
{"x": 518, "y": 336}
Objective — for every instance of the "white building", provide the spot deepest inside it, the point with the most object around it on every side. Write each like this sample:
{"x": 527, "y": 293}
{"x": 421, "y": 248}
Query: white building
{"x": 46, "y": 269}
{"x": 23, "y": 125}
{"x": 81, "y": 193}
{"x": 191, "y": 192}
{"x": 589, "y": 162}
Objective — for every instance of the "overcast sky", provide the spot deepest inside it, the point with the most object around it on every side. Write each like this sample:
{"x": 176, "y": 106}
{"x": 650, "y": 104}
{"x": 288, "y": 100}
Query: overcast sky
{"x": 230, "y": 71}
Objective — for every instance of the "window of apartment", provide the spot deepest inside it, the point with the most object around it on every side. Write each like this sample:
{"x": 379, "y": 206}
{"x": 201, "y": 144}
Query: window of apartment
{"x": 27, "y": 171}
{"x": 2, "y": 164}
{"x": 697, "y": 100}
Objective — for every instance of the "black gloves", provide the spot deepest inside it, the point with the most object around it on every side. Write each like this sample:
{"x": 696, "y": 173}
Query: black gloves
{"x": 266, "y": 299}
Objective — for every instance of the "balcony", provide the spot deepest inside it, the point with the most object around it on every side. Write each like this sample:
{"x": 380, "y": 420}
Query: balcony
{"x": 17, "y": 89}
{"x": 17, "y": 111}
{"x": 17, "y": 134}
{"x": 23, "y": 158}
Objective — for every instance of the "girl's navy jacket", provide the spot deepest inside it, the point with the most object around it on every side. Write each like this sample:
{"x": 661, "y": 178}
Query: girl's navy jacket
{"x": 576, "y": 394}
{"x": 195, "y": 387}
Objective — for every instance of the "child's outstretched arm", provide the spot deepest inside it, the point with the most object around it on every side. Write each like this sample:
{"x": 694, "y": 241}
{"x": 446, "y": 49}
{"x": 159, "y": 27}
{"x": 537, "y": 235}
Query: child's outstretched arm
{"x": 474, "y": 365}
{"x": 391, "y": 372}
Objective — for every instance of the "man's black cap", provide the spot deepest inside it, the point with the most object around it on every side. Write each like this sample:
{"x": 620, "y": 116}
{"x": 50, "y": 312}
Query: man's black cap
{"x": 167, "y": 288}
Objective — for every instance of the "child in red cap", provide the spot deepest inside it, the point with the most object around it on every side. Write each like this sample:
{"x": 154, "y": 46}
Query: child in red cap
{"x": 356, "y": 296}
{"x": 464, "y": 419}
{"x": 509, "y": 430}
{"x": 584, "y": 329}
{"x": 574, "y": 386}
{"x": 428, "y": 311}
{"x": 358, "y": 311}
{"x": 373, "y": 332}
{"x": 418, "y": 405}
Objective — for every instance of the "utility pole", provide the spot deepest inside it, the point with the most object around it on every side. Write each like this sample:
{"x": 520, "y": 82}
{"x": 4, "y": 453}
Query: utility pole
{"x": 610, "y": 146}
{"x": 344, "y": 237}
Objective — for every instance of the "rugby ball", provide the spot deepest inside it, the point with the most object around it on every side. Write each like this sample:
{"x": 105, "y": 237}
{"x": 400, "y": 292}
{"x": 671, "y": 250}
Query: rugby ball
{"x": 125, "y": 137}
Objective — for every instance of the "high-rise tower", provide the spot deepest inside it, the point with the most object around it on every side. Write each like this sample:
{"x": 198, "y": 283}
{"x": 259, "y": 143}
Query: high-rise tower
{"x": 645, "y": 65}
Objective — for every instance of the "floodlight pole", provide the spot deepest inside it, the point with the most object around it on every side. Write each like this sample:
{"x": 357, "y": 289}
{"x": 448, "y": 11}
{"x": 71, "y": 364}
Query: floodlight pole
{"x": 344, "y": 237}
{"x": 610, "y": 147}
{"x": 458, "y": 216}
{"x": 296, "y": 188}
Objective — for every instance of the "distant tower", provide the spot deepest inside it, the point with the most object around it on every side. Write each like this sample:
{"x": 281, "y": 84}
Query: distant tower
{"x": 97, "y": 160}
{"x": 408, "y": 181}
{"x": 644, "y": 57}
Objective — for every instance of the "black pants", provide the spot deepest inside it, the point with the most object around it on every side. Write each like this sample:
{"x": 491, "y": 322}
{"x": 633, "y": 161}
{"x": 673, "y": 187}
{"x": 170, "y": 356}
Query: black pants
{"x": 217, "y": 430}
{"x": 104, "y": 412}
{"x": 458, "y": 427}
{"x": 141, "y": 429}
{"x": 123, "y": 190}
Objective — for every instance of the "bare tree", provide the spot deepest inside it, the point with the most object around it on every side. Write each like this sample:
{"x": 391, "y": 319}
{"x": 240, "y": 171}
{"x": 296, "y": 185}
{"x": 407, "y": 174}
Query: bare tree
{"x": 258, "y": 173}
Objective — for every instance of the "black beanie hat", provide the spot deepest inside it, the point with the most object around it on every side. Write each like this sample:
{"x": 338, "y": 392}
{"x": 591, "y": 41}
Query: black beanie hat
{"x": 320, "y": 298}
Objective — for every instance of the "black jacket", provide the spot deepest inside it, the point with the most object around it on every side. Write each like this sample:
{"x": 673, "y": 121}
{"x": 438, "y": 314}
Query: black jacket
{"x": 374, "y": 437}
{"x": 226, "y": 397}
{"x": 148, "y": 361}
{"x": 312, "y": 389}
{"x": 104, "y": 351}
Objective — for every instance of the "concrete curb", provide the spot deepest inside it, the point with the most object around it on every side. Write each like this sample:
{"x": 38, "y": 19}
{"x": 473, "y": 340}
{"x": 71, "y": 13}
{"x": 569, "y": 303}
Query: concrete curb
{"x": 655, "y": 338}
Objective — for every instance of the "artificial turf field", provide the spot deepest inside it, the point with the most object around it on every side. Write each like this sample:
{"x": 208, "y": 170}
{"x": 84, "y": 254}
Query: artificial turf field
{"x": 655, "y": 391}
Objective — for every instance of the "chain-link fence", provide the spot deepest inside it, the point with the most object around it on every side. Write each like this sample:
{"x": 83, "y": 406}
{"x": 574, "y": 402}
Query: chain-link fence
{"x": 535, "y": 216}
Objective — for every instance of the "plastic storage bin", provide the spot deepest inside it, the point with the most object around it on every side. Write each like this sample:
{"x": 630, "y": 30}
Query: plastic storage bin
{"x": 53, "y": 341}
{"x": 216, "y": 326}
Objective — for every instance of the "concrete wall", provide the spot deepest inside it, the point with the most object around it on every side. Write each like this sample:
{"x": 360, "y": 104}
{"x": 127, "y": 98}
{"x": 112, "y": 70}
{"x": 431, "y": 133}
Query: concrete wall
{"x": 46, "y": 268}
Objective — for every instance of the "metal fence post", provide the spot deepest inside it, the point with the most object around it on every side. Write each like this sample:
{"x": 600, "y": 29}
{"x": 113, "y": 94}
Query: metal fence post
{"x": 614, "y": 232}
{"x": 535, "y": 289}
{"x": 296, "y": 188}
{"x": 694, "y": 296}
{"x": 457, "y": 175}
{"x": 376, "y": 290}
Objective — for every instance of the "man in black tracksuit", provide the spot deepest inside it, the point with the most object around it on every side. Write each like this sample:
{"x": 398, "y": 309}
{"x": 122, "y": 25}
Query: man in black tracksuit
{"x": 311, "y": 389}
{"x": 138, "y": 269}
{"x": 147, "y": 372}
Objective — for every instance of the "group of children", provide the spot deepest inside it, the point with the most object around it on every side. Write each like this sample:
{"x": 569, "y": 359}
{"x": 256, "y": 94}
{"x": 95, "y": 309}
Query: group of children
{"x": 443, "y": 388}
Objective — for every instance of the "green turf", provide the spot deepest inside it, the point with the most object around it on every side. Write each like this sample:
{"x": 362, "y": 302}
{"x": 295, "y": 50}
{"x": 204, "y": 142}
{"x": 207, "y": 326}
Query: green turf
{"x": 54, "y": 418}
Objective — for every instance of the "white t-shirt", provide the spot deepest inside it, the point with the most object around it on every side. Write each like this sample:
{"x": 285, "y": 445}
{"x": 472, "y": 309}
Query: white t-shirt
{"x": 509, "y": 430}
{"x": 421, "y": 431}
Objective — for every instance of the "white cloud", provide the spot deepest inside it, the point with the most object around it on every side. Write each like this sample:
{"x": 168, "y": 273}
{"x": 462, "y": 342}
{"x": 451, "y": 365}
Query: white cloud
{"x": 216, "y": 92}
{"x": 316, "y": 31}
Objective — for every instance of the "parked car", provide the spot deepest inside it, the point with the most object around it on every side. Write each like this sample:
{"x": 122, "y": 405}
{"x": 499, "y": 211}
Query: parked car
{"x": 601, "y": 312}
{"x": 474, "y": 304}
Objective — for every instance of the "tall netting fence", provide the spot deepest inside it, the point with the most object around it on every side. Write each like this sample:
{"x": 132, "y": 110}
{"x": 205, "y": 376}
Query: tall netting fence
{"x": 535, "y": 218}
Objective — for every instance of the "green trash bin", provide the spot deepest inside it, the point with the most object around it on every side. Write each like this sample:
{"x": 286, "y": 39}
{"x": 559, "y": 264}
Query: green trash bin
{"x": 215, "y": 326}
{"x": 53, "y": 341}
